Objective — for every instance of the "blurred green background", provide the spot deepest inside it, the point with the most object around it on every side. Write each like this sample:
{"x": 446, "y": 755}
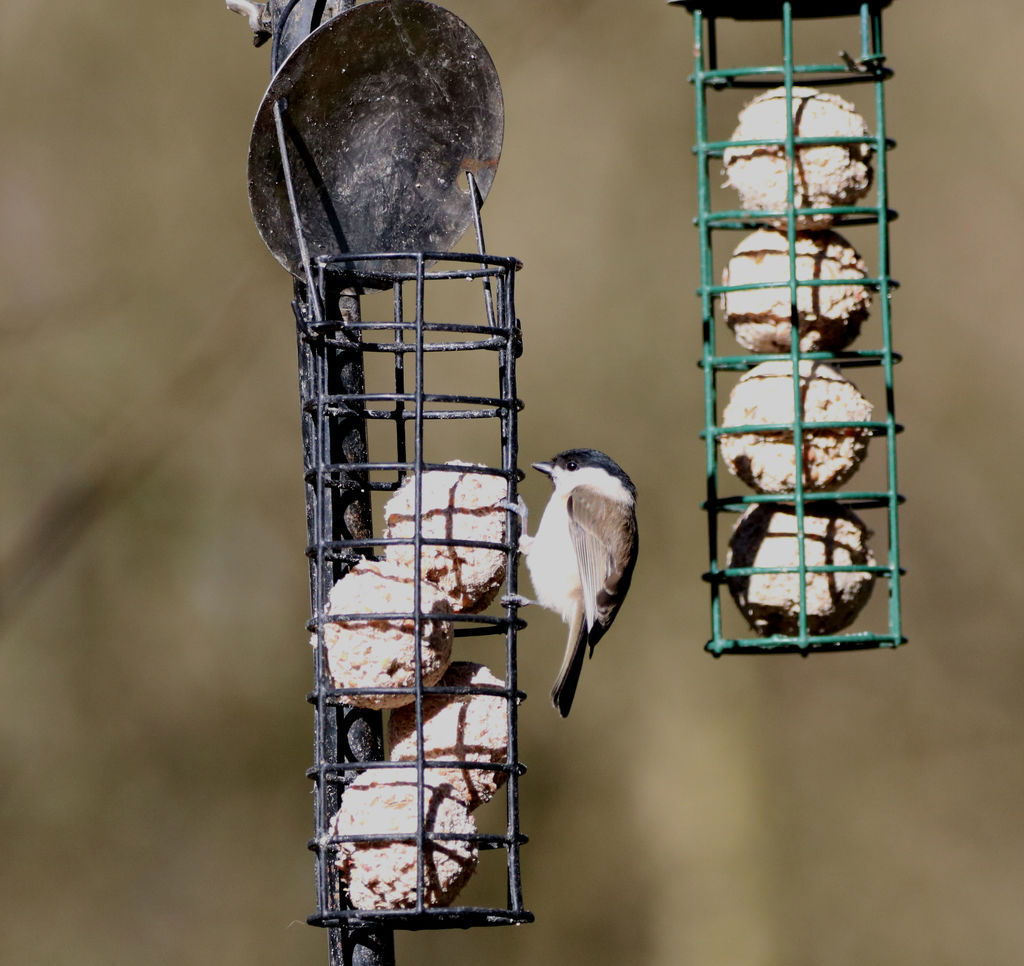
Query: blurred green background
{"x": 845, "y": 809}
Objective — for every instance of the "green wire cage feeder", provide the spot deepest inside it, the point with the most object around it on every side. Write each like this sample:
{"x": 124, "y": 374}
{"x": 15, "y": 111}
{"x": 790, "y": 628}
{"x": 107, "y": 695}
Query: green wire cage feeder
{"x": 786, "y": 313}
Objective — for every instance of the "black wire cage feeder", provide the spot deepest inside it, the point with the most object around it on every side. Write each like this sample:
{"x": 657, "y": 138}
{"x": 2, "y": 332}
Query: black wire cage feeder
{"x": 371, "y": 155}
{"x": 786, "y": 315}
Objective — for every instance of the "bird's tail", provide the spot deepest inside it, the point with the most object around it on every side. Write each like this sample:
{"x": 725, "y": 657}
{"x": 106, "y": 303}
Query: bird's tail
{"x": 572, "y": 664}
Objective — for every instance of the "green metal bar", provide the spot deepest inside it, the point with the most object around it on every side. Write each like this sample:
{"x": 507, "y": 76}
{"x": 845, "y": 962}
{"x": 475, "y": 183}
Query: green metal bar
{"x": 809, "y": 569}
{"x": 872, "y": 20}
{"x": 794, "y": 341}
{"x": 857, "y": 499}
{"x": 768, "y": 9}
{"x": 707, "y": 302}
{"x": 755, "y": 218}
{"x": 877, "y": 427}
{"x": 842, "y": 72}
{"x": 820, "y": 643}
{"x": 741, "y": 220}
{"x": 803, "y": 140}
{"x": 847, "y": 358}
{"x": 804, "y": 283}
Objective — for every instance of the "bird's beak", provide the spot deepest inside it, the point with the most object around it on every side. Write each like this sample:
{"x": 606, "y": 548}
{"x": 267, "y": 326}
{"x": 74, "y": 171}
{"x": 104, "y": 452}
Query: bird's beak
{"x": 545, "y": 468}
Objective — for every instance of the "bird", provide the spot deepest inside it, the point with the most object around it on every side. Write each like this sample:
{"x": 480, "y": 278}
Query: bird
{"x": 582, "y": 556}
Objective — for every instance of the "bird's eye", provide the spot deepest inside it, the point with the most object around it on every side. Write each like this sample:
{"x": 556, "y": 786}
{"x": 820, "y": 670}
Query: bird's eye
{"x": 572, "y": 465}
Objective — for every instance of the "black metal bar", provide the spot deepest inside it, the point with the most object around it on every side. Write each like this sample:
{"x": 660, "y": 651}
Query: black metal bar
{"x": 510, "y": 463}
{"x": 346, "y": 377}
{"x": 361, "y": 732}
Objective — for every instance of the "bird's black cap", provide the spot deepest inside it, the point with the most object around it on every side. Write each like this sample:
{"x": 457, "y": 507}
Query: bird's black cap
{"x": 573, "y": 459}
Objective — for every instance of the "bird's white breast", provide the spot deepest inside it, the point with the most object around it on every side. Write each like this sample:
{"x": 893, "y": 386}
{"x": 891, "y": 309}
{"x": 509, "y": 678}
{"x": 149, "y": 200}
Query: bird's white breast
{"x": 551, "y": 560}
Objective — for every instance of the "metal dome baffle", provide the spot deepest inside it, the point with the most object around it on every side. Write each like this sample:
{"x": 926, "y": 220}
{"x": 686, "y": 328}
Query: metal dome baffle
{"x": 781, "y": 415}
{"x": 371, "y": 155}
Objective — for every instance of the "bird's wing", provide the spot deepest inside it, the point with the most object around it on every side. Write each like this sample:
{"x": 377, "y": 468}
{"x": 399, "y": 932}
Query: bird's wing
{"x": 606, "y": 565}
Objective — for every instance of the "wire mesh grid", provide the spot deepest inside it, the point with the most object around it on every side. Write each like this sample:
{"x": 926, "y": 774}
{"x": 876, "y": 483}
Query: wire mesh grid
{"x": 344, "y": 398}
{"x": 801, "y": 501}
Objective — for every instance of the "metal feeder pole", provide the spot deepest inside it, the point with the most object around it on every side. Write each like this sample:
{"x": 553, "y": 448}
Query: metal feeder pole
{"x": 342, "y": 733}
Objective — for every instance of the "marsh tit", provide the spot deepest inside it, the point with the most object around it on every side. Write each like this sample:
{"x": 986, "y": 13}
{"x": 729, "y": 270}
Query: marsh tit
{"x": 582, "y": 556}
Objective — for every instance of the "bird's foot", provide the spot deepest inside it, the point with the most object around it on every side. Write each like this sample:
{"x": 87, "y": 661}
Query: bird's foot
{"x": 516, "y": 600}
{"x": 258, "y": 15}
{"x": 519, "y": 508}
